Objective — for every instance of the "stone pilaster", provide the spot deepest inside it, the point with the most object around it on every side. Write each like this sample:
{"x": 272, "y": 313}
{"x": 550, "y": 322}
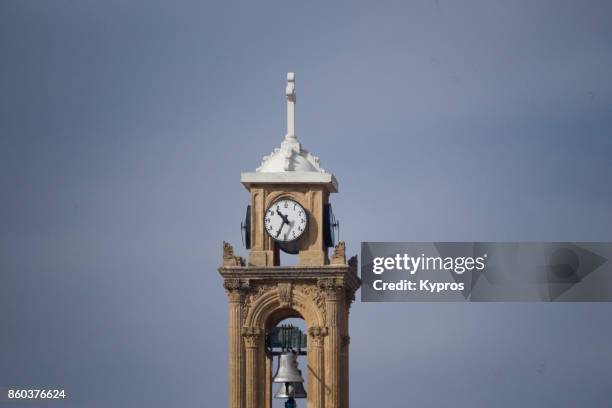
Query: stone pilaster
{"x": 252, "y": 337}
{"x": 236, "y": 290}
{"x": 345, "y": 370}
{"x": 316, "y": 380}
{"x": 332, "y": 290}
{"x": 346, "y": 340}
{"x": 268, "y": 382}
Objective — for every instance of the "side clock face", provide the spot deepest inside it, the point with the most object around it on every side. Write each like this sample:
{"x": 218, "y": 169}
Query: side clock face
{"x": 285, "y": 220}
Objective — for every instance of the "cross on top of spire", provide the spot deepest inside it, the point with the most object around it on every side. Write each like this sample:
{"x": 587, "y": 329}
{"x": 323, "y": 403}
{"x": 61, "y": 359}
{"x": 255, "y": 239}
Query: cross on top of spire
{"x": 290, "y": 92}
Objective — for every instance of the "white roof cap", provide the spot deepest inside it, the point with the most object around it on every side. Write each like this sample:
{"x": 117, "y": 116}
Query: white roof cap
{"x": 290, "y": 163}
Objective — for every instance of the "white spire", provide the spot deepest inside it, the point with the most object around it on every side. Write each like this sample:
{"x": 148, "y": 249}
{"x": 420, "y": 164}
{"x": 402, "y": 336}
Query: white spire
{"x": 290, "y": 163}
{"x": 290, "y": 156}
{"x": 290, "y": 92}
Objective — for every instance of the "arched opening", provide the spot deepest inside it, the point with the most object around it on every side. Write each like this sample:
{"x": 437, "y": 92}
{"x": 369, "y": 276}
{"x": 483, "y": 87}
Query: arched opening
{"x": 286, "y": 330}
{"x": 266, "y": 308}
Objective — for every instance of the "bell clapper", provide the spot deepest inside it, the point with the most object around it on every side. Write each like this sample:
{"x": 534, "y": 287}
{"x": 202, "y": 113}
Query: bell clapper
{"x": 290, "y": 403}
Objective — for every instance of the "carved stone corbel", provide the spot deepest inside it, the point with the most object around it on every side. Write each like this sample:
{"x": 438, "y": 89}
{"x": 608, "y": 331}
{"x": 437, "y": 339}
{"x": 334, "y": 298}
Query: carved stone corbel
{"x": 285, "y": 295}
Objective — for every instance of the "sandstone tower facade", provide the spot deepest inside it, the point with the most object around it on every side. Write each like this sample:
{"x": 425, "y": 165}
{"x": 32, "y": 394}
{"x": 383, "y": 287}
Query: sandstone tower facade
{"x": 289, "y": 197}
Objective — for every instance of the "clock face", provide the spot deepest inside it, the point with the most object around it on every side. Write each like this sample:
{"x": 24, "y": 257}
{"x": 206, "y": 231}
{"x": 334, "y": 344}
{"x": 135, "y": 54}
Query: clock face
{"x": 285, "y": 220}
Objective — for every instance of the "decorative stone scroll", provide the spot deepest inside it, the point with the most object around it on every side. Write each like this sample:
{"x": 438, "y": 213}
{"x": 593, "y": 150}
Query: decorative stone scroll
{"x": 229, "y": 259}
{"x": 254, "y": 294}
{"x": 339, "y": 256}
{"x": 315, "y": 294}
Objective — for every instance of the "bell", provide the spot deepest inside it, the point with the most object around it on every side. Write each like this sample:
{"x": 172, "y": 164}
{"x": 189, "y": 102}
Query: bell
{"x": 291, "y": 390}
{"x": 288, "y": 371}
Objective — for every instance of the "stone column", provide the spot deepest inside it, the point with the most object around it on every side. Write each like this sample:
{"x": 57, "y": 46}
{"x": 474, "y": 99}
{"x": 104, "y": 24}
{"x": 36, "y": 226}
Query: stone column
{"x": 236, "y": 290}
{"x": 346, "y": 340}
{"x": 333, "y": 309}
{"x": 268, "y": 382}
{"x": 345, "y": 370}
{"x": 316, "y": 380}
{"x": 251, "y": 336}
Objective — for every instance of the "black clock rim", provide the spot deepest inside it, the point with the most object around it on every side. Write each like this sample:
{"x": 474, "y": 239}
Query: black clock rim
{"x": 305, "y": 212}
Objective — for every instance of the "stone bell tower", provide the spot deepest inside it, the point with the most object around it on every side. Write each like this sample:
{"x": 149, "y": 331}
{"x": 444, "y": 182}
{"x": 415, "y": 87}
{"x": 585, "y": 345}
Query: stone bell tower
{"x": 289, "y": 211}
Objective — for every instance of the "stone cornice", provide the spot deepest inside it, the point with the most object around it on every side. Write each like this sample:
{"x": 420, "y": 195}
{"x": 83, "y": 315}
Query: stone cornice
{"x": 344, "y": 273}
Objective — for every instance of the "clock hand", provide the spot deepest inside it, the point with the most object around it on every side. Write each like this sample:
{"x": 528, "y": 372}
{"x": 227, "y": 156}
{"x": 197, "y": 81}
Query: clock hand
{"x": 290, "y": 224}
{"x": 280, "y": 229}
{"x": 284, "y": 217}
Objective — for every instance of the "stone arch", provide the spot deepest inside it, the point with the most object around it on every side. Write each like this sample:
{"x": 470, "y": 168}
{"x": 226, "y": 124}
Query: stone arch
{"x": 300, "y": 197}
{"x": 270, "y": 305}
{"x": 292, "y": 302}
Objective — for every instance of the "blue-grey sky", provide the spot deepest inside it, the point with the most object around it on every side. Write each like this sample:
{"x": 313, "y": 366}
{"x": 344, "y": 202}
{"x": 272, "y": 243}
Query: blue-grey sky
{"x": 124, "y": 126}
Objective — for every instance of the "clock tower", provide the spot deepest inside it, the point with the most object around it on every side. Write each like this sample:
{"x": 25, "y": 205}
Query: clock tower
{"x": 289, "y": 211}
